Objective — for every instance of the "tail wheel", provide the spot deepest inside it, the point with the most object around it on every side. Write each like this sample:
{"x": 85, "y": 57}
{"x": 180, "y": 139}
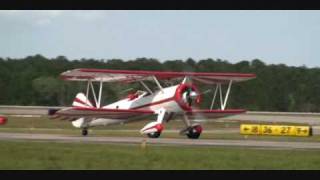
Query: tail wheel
{"x": 84, "y": 132}
{"x": 154, "y": 135}
{"x": 194, "y": 132}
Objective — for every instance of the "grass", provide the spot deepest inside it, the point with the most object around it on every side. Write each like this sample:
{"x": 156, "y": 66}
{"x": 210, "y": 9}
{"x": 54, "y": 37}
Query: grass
{"x": 42, "y": 155}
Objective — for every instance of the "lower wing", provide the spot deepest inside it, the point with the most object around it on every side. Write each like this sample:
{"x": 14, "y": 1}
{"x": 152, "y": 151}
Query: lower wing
{"x": 73, "y": 113}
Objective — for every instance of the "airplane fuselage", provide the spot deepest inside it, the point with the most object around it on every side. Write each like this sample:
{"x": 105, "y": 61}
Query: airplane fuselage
{"x": 164, "y": 98}
{"x": 168, "y": 98}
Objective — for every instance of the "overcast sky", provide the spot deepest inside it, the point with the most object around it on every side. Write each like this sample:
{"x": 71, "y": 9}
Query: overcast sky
{"x": 289, "y": 37}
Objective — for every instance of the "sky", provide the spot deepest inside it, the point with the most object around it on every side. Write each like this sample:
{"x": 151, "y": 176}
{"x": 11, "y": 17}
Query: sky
{"x": 287, "y": 37}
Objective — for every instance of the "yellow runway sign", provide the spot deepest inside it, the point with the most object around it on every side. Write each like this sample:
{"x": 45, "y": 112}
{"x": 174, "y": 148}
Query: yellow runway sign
{"x": 277, "y": 130}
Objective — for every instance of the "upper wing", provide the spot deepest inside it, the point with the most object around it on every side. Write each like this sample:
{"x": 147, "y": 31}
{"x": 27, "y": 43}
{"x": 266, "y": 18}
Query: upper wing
{"x": 108, "y": 75}
{"x": 196, "y": 114}
{"x": 73, "y": 113}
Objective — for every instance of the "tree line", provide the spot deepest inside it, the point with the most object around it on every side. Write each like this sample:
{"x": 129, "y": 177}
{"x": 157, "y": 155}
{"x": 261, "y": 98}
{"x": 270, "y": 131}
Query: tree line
{"x": 34, "y": 80}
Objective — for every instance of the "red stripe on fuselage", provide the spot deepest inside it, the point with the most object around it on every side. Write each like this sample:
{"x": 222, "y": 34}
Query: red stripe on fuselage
{"x": 155, "y": 103}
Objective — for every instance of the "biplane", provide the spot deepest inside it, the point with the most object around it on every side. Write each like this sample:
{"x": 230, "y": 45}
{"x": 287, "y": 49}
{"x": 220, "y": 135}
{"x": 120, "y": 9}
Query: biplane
{"x": 161, "y": 104}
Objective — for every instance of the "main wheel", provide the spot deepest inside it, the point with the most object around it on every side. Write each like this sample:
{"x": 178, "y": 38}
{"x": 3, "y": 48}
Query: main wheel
{"x": 194, "y": 132}
{"x": 84, "y": 132}
{"x": 154, "y": 135}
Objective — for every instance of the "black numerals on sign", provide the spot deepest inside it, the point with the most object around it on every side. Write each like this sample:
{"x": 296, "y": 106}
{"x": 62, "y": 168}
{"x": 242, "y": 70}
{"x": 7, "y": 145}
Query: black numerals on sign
{"x": 255, "y": 129}
{"x": 285, "y": 130}
{"x": 267, "y": 130}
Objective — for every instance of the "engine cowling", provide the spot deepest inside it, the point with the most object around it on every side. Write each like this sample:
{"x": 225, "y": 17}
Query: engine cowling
{"x": 3, "y": 120}
{"x": 187, "y": 95}
{"x": 152, "y": 127}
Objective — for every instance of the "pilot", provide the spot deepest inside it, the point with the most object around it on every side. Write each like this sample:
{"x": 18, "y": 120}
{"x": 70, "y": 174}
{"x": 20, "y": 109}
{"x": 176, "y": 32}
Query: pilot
{"x": 133, "y": 96}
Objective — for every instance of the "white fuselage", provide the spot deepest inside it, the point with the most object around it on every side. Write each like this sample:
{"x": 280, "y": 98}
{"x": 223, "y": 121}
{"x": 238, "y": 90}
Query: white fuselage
{"x": 157, "y": 100}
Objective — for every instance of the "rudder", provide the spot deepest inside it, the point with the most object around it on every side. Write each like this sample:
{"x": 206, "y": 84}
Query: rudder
{"x": 81, "y": 101}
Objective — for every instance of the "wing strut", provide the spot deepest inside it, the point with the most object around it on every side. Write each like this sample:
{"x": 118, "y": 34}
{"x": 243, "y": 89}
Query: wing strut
{"x": 97, "y": 101}
{"x": 93, "y": 92}
{"x": 223, "y": 101}
{"x": 227, "y": 95}
{"x": 157, "y": 82}
{"x": 214, "y": 97}
{"x": 146, "y": 87}
{"x": 87, "y": 92}
{"x": 100, "y": 93}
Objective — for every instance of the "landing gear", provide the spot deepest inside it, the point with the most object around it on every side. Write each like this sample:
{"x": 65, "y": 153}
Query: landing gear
{"x": 154, "y": 135}
{"x": 84, "y": 132}
{"x": 194, "y": 132}
{"x": 154, "y": 129}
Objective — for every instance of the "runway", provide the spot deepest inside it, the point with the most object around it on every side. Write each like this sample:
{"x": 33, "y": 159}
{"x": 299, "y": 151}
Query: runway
{"x": 160, "y": 141}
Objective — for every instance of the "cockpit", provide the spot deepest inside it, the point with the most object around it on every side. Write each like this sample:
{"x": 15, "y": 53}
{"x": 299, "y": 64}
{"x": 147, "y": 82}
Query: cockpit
{"x": 139, "y": 93}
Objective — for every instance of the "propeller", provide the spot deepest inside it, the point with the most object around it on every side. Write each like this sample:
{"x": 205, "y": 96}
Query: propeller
{"x": 189, "y": 99}
{"x": 190, "y": 96}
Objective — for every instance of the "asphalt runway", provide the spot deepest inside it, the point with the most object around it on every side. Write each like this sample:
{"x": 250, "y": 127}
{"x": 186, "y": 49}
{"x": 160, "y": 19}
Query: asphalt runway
{"x": 160, "y": 141}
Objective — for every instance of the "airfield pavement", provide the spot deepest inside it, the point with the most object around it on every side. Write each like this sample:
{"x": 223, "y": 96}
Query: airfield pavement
{"x": 159, "y": 141}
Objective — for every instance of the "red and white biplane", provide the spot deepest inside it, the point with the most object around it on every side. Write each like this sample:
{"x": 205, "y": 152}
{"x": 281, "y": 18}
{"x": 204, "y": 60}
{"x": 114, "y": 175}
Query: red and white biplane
{"x": 164, "y": 103}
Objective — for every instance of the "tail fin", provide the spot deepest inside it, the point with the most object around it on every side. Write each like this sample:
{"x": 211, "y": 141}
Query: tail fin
{"x": 81, "y": 101}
